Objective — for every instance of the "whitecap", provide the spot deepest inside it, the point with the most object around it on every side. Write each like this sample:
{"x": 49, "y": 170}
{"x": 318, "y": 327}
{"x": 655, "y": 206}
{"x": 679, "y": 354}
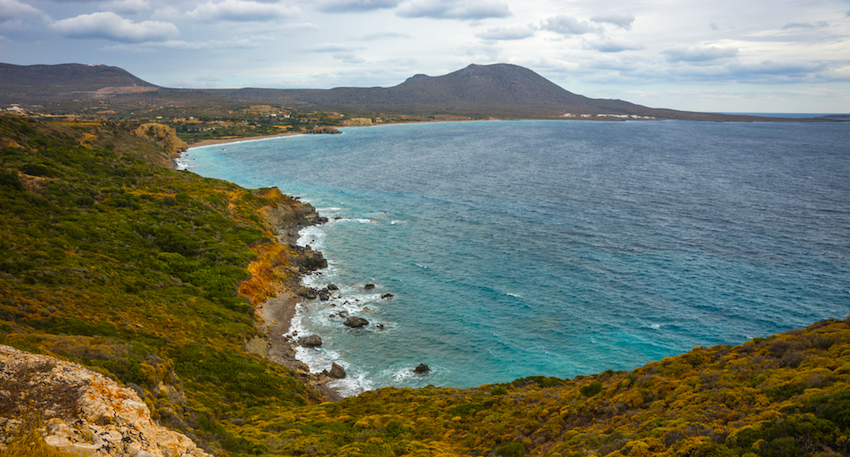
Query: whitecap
{"x": 514, "y": 295}
{"x": 353, "y": 384}
{"x": 655, "y": 326}
{"x": 312, "y": 236}
{"x": 181, "y": 163}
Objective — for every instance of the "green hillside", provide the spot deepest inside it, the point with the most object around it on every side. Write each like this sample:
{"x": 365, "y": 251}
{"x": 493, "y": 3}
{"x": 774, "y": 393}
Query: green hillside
{"x": 117, "y": 262}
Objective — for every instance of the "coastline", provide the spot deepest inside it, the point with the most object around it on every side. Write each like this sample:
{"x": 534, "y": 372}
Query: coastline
{"x": 241, "y": 139}
{"x": 276, "y": 275}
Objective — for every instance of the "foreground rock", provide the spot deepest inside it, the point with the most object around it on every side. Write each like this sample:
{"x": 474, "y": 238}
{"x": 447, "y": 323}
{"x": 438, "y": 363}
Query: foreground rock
{"x": 83, "y": 412}
{"x": 356, "y": 322}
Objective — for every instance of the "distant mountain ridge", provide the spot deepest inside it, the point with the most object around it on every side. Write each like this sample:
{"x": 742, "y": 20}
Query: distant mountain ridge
{"x": 497, "y": 90}
{"x": 64, "y": 80}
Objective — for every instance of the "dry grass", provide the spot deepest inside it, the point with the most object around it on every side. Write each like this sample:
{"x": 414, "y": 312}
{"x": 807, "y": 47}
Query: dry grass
{"x": 32, "y": 444}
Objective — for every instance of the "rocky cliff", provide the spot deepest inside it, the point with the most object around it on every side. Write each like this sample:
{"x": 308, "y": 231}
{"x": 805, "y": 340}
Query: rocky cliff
{"x": 79, "y": 411}
{"x": 163, "y": 135}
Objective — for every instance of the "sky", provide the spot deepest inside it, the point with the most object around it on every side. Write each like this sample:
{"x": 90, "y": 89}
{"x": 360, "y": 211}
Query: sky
{"x": 768, "y": 56}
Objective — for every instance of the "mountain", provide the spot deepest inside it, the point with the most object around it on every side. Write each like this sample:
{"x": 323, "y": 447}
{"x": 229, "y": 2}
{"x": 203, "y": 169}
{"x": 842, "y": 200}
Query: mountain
{"x": 66, "y": 81}
{"x": 498, "y": 90}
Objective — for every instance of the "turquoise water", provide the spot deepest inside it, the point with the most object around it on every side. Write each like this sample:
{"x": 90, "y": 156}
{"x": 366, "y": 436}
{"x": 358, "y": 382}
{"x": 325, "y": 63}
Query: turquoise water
{"x": 558, "y": 248}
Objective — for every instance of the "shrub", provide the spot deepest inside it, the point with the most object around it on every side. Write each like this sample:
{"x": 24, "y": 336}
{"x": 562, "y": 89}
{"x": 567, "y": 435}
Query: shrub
{"x": 591, "y": 389}
{"x": 510, "y": 449}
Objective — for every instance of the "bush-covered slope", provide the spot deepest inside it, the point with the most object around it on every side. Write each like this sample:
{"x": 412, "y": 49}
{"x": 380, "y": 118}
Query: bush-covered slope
{"x": 113, "y": 261}
{"x": 787, "y": 395}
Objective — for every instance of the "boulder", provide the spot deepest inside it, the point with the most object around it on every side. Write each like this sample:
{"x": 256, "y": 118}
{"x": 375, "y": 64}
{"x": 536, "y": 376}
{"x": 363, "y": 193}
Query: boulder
{"x": 369, "y": 286}
{"x": 306, "y": 292}
{"x": 311, "y": 260}
{"x": 312, "y": 341}
{"x": 387, "y": 296}
{"x": 356, "y": 322}
{"x": 337, "y": 372}
{"x": 422, "y": 369}
{"x": 332, "y": 287}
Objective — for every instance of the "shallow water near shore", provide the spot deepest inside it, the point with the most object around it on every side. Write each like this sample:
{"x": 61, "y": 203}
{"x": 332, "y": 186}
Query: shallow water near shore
{"x": 557, "y": 248}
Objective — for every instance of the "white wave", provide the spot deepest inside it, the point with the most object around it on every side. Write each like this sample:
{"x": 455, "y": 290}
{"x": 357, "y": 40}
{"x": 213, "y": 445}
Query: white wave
{"x": 655, "y": 326}
{"x": 312, "y": 236}
{"x": 397, "y": 222}
{"x": 181, "y": 163}
{"x": 421, "y": 266}
{"x": 514, "y": 295}
{"x": 353, "y": 384}
{"x": 402, "y": 375}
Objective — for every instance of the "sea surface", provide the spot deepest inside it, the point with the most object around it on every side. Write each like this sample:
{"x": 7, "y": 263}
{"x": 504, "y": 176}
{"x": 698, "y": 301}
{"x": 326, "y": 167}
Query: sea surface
{"x": 557, "y": 248}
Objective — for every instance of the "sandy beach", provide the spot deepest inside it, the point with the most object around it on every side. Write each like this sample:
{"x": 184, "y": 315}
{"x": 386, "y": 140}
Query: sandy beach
{"x": 240, "y": 139}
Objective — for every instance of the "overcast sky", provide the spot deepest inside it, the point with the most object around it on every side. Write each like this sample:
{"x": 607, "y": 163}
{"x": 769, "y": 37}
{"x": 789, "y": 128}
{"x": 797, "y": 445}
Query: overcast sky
{"x": 720, "y": 55}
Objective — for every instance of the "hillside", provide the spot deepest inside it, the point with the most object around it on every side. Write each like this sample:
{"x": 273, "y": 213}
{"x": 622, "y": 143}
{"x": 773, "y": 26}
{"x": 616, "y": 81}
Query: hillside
{"x": 66, "y": 81}
{"x": 481, "y": 91}
{"x": 157, "y": 278}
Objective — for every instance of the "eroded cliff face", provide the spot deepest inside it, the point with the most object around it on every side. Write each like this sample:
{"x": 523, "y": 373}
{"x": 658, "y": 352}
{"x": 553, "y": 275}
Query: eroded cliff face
{"x": 164, "y": 136}
{"x": 288, "y": 215}
{"x": 79, "y": 411}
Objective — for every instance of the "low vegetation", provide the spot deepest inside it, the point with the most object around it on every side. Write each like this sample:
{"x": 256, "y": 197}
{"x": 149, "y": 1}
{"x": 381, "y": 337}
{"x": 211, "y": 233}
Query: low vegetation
{"x": 125, "y": 266}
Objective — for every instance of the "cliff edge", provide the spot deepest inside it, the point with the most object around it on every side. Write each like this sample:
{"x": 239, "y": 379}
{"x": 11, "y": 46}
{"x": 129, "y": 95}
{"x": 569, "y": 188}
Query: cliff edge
{"x": 78, "y": 411}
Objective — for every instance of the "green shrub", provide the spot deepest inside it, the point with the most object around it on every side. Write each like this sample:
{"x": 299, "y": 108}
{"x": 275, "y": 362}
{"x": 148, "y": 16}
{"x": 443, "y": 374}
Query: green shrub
{"x": 510, "y": 449}
{"x": 591, "y": 389}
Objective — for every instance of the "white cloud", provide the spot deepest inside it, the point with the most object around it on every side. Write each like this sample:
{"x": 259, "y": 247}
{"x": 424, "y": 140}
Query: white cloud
{"x": 242, "y": 43}
{"x": 609, "y": 45}
{"x": 110, "y": 26}
{"x": 356, "y": 6}
{"x": 454, "y": 9}
{"x": 242, "y": 11}
{"x": 15, "y": 10}
{"x": 329, "y": 47}
{"x": 384, "y": 36}
{"x": 507, "y": 33}
{"x": 566, "y": 25}
{"x": 623, "y": 21}
{"x": 699, "y": 54}
{"x": 127, "y": 6}
{"x": 805, "y": 25}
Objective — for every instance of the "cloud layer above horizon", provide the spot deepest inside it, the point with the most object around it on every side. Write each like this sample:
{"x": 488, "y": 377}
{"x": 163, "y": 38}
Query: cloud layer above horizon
{"x": 784, "y": 56}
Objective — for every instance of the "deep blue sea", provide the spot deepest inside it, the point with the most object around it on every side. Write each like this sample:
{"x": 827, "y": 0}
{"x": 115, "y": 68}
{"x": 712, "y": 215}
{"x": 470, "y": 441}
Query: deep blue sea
{"x": 557, "y": 248}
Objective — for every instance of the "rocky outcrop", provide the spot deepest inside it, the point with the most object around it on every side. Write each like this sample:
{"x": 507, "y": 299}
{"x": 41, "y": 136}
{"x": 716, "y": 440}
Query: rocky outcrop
{"x": 288, "y": 215}
{"x": 312, "y": 341}
{"x": 337, "y": 372}
{"x": 311, "y": 260}
{"x": 163, "y": 135}
{"x": 323, "y": 130}
{"x": 80, "y": 411}
{"x": 422, "y": 369}
{"x": 355, "y": 322}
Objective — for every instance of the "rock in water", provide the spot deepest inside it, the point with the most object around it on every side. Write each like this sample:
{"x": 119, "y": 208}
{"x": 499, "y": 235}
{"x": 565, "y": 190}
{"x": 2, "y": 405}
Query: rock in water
{"x": 422, "y": 369}
{"x": 369, "y": 286}
{"x": 356, "y": 322}
{"x": 312, "y": 341}
{"x": 337, "y": 372}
